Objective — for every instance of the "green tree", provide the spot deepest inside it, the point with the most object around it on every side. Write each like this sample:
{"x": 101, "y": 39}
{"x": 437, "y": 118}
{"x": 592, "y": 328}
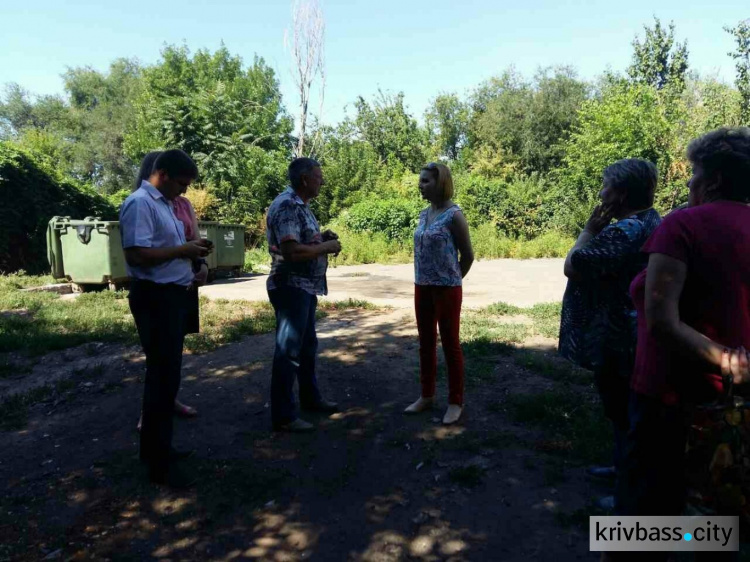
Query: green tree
{"x": 83, "y": 134}
{"x": 228, "y": 117}
{"x": 351, "y": 168}
{"x": 659, "y": 61}
{"x": 19, "y": 112}
{"x": 391, "y": 131}
{"x": 552, "y": 114}
{"x": 101, "y": 110}
{"x": 496, "y": 130}
{"x": 519, "y": 126}
{"x": 33, "y": 191}
{"x": 741, "y": 55}
{"x": 626, "y": 121}
{"x": 447, "y": 122}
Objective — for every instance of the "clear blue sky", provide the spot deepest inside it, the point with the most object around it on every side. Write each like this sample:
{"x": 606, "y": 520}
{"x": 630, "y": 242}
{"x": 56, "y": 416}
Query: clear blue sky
{"x": 421, "y": 47}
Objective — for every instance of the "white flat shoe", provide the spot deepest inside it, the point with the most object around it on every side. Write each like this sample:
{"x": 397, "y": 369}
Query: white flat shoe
{"x": 421, "y": 405}
{"x": 452, "y": 414}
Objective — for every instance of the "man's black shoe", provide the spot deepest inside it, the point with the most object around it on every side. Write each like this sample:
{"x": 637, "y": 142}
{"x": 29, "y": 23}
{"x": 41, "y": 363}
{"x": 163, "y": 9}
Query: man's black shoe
{"x": 323, "y": 407}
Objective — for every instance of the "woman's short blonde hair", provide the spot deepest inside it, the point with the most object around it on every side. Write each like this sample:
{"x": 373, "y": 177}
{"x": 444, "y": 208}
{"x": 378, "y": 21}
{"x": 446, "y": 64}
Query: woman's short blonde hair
{"x": 443, "y": 178}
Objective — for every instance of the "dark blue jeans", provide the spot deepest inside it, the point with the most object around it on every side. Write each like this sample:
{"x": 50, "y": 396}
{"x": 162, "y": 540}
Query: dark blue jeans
{"x": 294, "y": 356}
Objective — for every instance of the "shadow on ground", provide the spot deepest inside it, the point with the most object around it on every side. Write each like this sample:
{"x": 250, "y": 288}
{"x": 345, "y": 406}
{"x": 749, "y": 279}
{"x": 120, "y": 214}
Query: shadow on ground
{"x": 369, "y": 485}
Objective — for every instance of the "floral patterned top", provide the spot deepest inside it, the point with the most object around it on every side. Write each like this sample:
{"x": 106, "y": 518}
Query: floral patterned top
{"x": 289, "y": 218}
{"x": 435, "y": 252}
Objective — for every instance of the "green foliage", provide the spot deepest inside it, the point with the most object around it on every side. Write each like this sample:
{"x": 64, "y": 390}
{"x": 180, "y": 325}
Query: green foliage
{"x": 573, "y": 424}
{"x": 33, "y": 192}
{"x": 447, "y": 122}
{"x": 626, "y": 121}
{"x": 519, "y": 125}
{"x": 519, "y": 206}
{"x": 391, "y": 131}
{"x": 741, "y": 56}
{"x": 526, "y": 153}
{"x": 659, "y": 61}
{"x": 83, "y": 135}
{"x": 395, "y": 218}
{"x": 229, "y": 118}
{"x": 351, "y": 167}
{"x": 366, "y": 247}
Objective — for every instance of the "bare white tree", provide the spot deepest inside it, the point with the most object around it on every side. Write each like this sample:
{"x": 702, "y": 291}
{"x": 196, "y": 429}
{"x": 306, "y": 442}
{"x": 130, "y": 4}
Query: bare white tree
{"x": 306, "y": 42}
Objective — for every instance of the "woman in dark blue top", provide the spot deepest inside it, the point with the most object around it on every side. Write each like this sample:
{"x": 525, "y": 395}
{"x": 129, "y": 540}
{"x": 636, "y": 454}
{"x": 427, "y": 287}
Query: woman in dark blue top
{"x": 598, "y": 327}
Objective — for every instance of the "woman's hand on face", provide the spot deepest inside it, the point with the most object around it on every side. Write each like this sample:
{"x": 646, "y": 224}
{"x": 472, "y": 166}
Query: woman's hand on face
{"x": 736, "y": 363}
{"x": 600, "y": 218}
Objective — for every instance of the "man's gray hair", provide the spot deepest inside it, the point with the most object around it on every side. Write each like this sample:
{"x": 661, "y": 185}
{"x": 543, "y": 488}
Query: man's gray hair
{"x": 301, "y": 167}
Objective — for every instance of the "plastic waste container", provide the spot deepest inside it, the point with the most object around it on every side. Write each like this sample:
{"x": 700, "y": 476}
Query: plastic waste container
{"x": 207, "y": 230}
{"x": 87, "y": 252}
{"x": 230, "y": 246}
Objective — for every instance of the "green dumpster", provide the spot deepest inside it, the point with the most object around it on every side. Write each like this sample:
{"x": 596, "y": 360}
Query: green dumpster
{"x": 54, "y": 248}
{"x": 87, "y": 252}
{"x": 207, "y": 230}
{"x": 230, "y": 246}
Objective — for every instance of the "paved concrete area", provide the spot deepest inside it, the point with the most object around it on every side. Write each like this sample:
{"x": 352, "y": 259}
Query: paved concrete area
{"x": 518, "y": 282}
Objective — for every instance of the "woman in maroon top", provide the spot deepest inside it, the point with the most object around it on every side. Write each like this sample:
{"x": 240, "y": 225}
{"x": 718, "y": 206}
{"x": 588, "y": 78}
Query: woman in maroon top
{"x": 693, "y": 305}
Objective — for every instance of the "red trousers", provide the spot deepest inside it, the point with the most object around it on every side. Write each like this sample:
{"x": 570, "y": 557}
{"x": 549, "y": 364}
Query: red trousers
{"x": 440, "y": 307}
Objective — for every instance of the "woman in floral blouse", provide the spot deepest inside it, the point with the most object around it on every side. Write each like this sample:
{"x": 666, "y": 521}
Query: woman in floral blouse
{"x": 442, "y": 258}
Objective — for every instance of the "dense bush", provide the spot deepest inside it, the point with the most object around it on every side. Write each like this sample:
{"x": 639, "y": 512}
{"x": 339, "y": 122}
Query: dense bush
{"x": 31, "y": 193}
{"x": 523, "y": 206}
{"x": 396, "y": 219}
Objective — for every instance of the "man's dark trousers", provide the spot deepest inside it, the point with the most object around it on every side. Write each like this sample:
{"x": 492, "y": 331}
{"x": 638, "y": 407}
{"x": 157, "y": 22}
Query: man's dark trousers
{"x": 159, "y": 311}
{"x": 295, "y": 353}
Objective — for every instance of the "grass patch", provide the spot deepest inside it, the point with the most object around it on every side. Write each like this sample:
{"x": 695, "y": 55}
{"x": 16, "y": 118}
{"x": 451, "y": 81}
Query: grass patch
{"x": 14, "y": 410}
{"x": 553, "y": 368}
{"x": 257, "y": 259}
{"x": 224, "y": 321}
{"x": 489, "y": 243}
{"x": 495, "y": 330}
{"x": 365, "y": 247}
{"x": 470, "y": 476}
{"x": 37, "y": 323}
{"x": 543, "y": 318}
{"x": 347, "y": 304}
{"x": 573, "y": 423}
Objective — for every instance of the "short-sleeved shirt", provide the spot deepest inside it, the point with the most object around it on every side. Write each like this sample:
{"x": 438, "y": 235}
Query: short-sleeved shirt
{"x": 713, "y": 241}
{"x": 435, "y": 252}
{"x": 290, "y": 219}
{"x": 147, "y": 220}
{"x": 598, "y": 324}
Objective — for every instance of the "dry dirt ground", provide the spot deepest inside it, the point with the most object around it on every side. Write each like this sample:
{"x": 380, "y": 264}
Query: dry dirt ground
{"x": 518, "y": 282}
{"x": 369, "y": 485}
